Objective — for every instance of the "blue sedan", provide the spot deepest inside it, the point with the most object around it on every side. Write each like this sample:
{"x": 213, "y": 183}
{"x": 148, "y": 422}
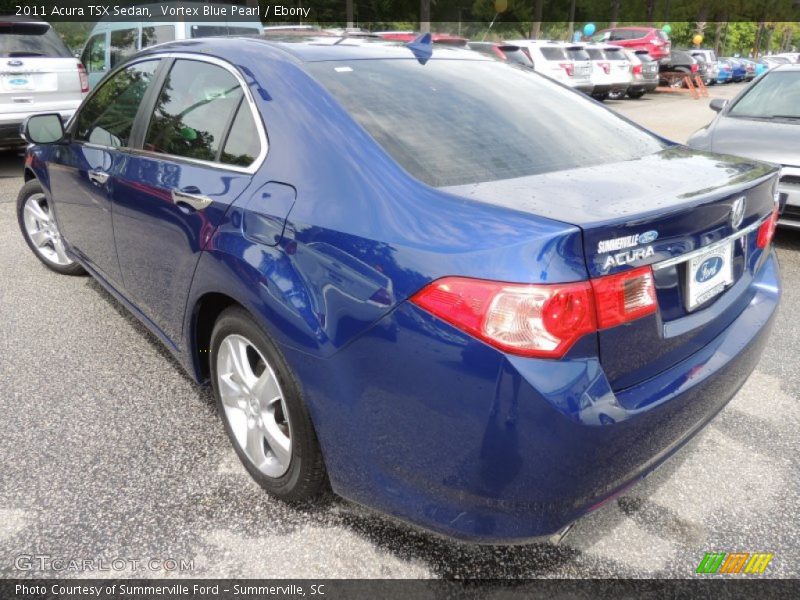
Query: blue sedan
{"x": 443, "y": 286}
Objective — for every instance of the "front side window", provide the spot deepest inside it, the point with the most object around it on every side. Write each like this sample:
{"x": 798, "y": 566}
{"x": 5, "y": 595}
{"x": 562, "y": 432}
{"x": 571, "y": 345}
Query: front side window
{"x": 123, "y": 45}
{"x": 454, "y": 122}
{"x": 193, "y": 110}
{"x": 94, "y": 55}
{"x": 107, "y": 118}
{"x": 157, "y": 34}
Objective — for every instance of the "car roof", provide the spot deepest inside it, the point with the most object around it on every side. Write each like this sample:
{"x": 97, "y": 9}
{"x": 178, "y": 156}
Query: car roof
{"x": 314, "y": 48}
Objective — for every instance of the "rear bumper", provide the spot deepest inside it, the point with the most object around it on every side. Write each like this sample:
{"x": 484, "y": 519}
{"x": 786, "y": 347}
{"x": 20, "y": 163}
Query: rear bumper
{"x": 789, "y": 190}
{"x": 10, "y": 122}
{"x": 466, "y": 441}
{"x": 644, "y": 86}
{"x": 585, "y": 87}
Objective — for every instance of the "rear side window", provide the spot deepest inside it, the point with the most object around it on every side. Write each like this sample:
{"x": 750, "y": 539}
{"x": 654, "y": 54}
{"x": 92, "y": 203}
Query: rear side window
{"x": 193, "y": 110}
{"x": 30, "y": 39}
{"x": 107, "y": 118}
{"x": 157, "y": 35}
{"x": 453, "y": 122}
{"x": 94, "y": 54}
{"x": 123, "y": 45}
{"x": 242, "y": 146}
{"x": 553, "y": 53}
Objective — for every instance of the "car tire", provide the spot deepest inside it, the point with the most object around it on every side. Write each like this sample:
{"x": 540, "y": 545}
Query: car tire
{"x": 636, "y": 94}
{"x": 262, "y": 408}
{"x": 616, "y": 95}
{"x": 40, "y": 230}
{"x": 600, "y": 97}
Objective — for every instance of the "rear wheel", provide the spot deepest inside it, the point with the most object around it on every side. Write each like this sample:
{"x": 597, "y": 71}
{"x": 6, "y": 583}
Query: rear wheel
{"x": 616, "y": 94}
{"x": 600, "y": 97}
{"x": 635, "y": 94}
{"x": 263, "y": 410}
{"x": 40, "y": 230}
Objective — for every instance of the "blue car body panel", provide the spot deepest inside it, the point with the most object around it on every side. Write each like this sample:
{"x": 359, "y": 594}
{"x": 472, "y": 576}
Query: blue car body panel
{"x": 328, "y": 239}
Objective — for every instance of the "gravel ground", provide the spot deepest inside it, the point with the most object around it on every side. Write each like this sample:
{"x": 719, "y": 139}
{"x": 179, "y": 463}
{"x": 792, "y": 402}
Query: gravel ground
{"x": 111, "y": 451}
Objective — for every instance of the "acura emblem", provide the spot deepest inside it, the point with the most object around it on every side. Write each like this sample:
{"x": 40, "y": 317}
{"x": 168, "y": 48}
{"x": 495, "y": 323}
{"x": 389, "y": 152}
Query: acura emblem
{"x": 737, "y": 212}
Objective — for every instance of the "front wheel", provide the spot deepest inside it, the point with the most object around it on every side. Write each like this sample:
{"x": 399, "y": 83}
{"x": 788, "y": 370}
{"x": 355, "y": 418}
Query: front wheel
{"x": 262, "y": 407}
{"x": 40, "y": 230}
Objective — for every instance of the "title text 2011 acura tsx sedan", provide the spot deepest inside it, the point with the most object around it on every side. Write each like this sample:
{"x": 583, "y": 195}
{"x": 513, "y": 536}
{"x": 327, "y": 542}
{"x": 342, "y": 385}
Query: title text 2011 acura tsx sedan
{"x": 443, "y": 284}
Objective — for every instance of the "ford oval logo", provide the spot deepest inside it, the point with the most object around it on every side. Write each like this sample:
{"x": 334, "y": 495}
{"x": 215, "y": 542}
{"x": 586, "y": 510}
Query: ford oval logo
{"x": 17, "y": 81}
{"x": 647, "y": 237}
{"x": 14, "y": 63}
{"x": 709, "y": 268}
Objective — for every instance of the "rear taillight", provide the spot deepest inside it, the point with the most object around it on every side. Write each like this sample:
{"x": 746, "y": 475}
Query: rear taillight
{"x": 567, "y": 68}
{"x": 637, "y": 69}
{"x": 539, "y": 320}
{"x": 624, "y": 297}
{"x": 606, "y": 67}
{"x": 767, "y": 230}
{"x": 529, "y": 320}
{"x": 84, "y": 78}
{"x": 694, "y": 68}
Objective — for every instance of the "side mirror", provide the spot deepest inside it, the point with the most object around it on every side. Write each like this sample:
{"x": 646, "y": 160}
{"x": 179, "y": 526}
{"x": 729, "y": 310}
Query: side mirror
{"x": 43, "y": 129}
{"x": 717, "y": 104}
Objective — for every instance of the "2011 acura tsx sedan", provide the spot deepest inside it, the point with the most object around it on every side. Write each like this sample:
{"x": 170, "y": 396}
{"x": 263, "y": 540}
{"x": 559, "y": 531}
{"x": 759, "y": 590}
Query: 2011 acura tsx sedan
{"x": 443, "y": 285}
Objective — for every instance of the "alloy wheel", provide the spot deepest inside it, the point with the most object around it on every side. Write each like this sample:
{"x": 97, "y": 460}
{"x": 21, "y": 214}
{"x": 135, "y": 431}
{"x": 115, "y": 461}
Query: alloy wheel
{"x": 42, "y": 230}
{"x": 254, "y": 405}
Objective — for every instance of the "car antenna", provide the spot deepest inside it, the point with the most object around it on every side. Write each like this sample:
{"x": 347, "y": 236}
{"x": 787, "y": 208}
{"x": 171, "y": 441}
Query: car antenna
{"x": 421, "y": 47}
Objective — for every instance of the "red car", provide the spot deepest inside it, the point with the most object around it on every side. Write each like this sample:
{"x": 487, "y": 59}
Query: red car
{"x": 655, "y": 41}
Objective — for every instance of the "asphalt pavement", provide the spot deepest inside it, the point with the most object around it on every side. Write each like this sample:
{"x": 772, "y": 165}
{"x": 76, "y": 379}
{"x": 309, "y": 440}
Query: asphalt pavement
{"x": 110, "y": 451}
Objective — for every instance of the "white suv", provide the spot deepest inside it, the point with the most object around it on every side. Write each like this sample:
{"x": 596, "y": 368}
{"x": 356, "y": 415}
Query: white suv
{"x": 37, "y": 75}
{"x": 566, "y": 63}
{"x": 611, "y": 71}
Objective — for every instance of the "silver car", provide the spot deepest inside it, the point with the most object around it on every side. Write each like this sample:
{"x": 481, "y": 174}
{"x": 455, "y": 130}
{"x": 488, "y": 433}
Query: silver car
{"x": 763, "y": 122}
{"x": 37, "y": 75}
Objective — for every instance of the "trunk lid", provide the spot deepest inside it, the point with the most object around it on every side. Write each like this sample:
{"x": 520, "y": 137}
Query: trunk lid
{"x": 630, "y": 218}
{"x": 28, "y": 82}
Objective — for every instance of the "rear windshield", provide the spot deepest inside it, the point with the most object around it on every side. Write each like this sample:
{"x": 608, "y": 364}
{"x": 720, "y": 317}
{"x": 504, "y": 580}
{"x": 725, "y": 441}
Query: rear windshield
{"x": 553, "y": 53}
{"x": 30, "y": 39}
{"x": 643, "y": 56}
{"x": 453, "y": 122}
{"x": 516, "y": 56}
{"x": 577, "y": 54}
{"x": 776, "y": 96}
{"x": 615, "y": 54}
{"x": 595, "y": 53}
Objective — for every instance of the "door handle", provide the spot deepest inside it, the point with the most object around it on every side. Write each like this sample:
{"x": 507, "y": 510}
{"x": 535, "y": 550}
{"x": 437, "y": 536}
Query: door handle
{"x": 98, "y": 177}
{"x": 195, "y": 201}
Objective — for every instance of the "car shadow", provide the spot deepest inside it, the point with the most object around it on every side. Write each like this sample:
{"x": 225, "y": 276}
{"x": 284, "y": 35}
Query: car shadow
{"x": 445, "y": 557}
